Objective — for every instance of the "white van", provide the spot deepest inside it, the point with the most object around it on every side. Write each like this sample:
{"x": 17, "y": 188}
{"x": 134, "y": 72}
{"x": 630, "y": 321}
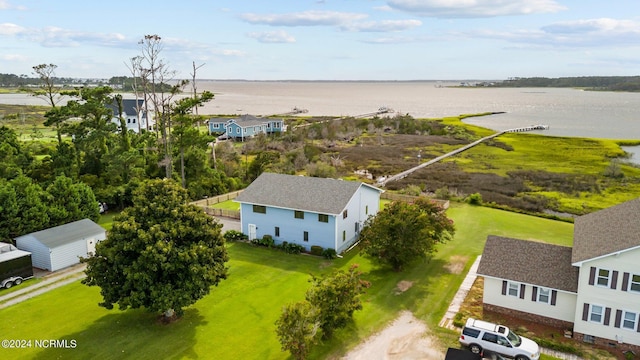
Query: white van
{"x": 484, "y": 336}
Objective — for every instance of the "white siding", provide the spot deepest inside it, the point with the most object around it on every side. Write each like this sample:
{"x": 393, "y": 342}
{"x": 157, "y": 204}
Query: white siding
{"x": 40, "y": 257}
{"x": 563, "y": 310}
{"x": 615, "y": 299}
{"x": 68, "y": 254}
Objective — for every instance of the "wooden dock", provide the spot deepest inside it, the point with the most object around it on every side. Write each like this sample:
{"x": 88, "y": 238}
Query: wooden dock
{"x": 384, "y": 180}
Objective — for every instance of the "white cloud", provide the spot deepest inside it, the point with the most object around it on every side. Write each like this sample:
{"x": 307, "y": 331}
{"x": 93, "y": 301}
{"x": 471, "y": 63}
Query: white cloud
{"x": 572, "y": 34}
{"x": 279, "y": 36}
{"x": 382, "y": 26}
{"x": 305, "y": 18}
{"x": 475, "y": 8}
{"x": 5, "y": 5}
{"x": 11, "y": 29}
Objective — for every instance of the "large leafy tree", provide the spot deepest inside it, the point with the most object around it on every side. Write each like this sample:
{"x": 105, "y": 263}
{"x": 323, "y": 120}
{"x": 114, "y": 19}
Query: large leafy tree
{"x": 404, "y": 232}
{"x": 161, "y": 253}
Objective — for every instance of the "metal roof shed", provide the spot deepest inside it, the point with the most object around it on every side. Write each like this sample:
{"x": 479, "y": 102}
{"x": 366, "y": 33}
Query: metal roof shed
{"x": 62, "y": 246}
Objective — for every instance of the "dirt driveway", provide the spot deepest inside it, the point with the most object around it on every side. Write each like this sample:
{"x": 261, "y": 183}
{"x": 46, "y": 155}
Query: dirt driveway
{"x": 406, "y": 338}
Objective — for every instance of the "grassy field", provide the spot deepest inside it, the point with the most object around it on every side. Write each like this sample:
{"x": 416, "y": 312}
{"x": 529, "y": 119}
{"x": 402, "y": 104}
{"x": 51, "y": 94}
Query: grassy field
{"x": 236, "y": 320}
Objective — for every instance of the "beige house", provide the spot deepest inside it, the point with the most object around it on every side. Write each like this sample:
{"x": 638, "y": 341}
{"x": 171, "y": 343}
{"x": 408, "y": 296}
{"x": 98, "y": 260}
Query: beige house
{"x": 592, "y": 288}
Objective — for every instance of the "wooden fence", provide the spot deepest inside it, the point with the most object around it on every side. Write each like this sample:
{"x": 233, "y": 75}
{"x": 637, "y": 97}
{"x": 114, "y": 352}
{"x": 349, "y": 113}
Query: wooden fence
{"x": 217, "y": 199}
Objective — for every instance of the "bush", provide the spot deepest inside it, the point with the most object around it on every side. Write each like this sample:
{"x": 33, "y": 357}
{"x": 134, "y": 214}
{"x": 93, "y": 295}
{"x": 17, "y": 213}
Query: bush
{"x": 267, "y": 240}
{"x": 234, "y": 235}
{"x": 457, "y": 320}
{"x": 329, "y": 253}
{"x": 316, "y": 250}
{"x": 292, "y": 248}
{"x": 475, "y": 199}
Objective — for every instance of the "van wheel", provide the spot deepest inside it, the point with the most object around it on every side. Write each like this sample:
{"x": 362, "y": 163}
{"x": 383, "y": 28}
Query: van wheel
{"x": 521, "y": 357}
{"x": 8, "y": 285}
{"x": 476, "y": 349}
{"x": 17, "y": 281}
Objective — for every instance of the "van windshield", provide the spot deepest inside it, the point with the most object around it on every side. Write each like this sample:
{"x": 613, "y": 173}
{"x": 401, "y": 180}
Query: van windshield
{"x": 514, "y": 339}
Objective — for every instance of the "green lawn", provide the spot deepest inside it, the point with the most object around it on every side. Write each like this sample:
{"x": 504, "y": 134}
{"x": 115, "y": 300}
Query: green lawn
{"x": 236, "y": 320}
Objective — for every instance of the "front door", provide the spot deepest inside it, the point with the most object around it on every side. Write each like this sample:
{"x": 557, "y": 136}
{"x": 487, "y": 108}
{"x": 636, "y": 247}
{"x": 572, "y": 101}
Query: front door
{"x": 252, "y": 231}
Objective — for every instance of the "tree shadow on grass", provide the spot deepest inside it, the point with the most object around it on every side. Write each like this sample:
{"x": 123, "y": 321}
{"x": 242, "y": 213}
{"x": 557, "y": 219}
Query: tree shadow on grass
{"x": 135, "y": 334}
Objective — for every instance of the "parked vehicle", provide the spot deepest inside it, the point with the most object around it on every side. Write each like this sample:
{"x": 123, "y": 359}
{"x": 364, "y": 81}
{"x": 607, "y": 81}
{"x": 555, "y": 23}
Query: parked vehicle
{"x": 481, "y": 336}
{"x": 15, "y": 266}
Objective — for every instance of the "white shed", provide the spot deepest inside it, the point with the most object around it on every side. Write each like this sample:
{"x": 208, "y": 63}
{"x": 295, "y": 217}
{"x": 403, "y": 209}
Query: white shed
{"x": 62, "y": 246}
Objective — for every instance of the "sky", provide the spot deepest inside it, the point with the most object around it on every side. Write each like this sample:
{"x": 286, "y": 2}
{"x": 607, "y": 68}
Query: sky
{"x": 326, "y": 39}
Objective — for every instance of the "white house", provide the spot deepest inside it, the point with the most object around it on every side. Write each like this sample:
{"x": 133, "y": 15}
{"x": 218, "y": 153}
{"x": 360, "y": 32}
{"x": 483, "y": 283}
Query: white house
{"x": 307, "y": 210}
{"x": 133, "y": 114}
{"x": 62, "y": 246}
{"x": 592, "y": 288}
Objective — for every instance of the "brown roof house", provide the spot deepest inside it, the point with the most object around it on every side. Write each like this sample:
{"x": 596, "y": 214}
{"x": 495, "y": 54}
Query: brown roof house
{"x": 592, "y": 288}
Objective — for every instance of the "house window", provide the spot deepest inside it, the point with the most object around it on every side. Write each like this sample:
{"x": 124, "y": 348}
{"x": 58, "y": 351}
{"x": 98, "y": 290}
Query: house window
{"x": 357, "y": 226}
{"x": 629, "y": 320}
{"x": 544, "y": 295}
{"x": 595, "y": 313}
{"x": 215, "y": 126}
{"x": 513, "y": 289}
{"x": 603, "y": 277}
{"x": 259, "y": 209}
{"x": 306, "y": 236}
{"x": 344, "y": 236}
{"x": 229, "y": 130}
{"x": 268, "y": 125}
{"x": 635, "y": 283}
{"x": 323, "y": 218}
{"x": 298, "y": 214}
{"x": 344, "y": 214}
{"x": 277, "y": 231}
{"x": 128, "y": 121}
{"x": 133, "y": 121}
{"x": 238, "y": 131}
{"x": 366, "y": 210}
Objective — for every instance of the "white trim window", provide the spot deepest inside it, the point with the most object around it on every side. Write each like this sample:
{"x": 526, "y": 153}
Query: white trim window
{"x": 596, "y": 313}
{"x": 513, "y": 289}
{"x": 544, "y": 295}
{"x": 603, "y": 277}
{"x": 629, "y": 320}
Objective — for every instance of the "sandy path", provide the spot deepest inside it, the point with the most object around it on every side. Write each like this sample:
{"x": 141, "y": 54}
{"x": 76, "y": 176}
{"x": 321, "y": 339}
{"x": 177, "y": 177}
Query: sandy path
{"x": 404, "y": 339}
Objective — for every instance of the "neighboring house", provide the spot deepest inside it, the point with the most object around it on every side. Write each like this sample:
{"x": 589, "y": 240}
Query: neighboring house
{"x": 133, "y": 113}
{"x": 307, "y": 210}
{"x": 592, "y": 288}
{"x": 246, "y": 126}
{"x": 62, "y": 246}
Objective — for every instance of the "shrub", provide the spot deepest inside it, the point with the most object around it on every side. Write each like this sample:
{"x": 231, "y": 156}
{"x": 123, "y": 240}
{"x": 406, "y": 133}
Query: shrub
{"x": 292, "y": 248}
{"x": 267, "y": 240}
{"x": 329, "y": 253}
{"x": 234, "y": 235}
{"x": 475, "y": 199}
{"x": 316, "y": 250}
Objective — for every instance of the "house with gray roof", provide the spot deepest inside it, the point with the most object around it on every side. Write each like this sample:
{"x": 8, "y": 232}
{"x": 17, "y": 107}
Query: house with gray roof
{"x": 592, "y": 288}
{"x": 62, "y": 246}
{"x": 245, "y": 126}
{"x": 133, "y": 113}
{"x": 306, "y": 210}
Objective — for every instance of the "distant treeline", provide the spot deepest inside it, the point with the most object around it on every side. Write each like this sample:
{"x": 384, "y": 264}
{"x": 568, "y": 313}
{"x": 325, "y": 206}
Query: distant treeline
{"x": 607, "y": 83}
{"x": 120, "y": 83}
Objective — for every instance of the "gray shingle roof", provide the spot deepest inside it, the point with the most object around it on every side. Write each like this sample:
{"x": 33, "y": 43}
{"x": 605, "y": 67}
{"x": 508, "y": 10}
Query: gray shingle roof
{"x": 325, "y": 196}
{"x": 128, "y": 106}
{"x": 67, "y": 233}
{"x": 530, "y": 262}
{"x": 606, "y": 231}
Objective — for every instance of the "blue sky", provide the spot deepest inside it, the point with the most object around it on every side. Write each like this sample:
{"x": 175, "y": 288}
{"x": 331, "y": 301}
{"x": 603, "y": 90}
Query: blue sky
{"x": 327, "y": 39}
